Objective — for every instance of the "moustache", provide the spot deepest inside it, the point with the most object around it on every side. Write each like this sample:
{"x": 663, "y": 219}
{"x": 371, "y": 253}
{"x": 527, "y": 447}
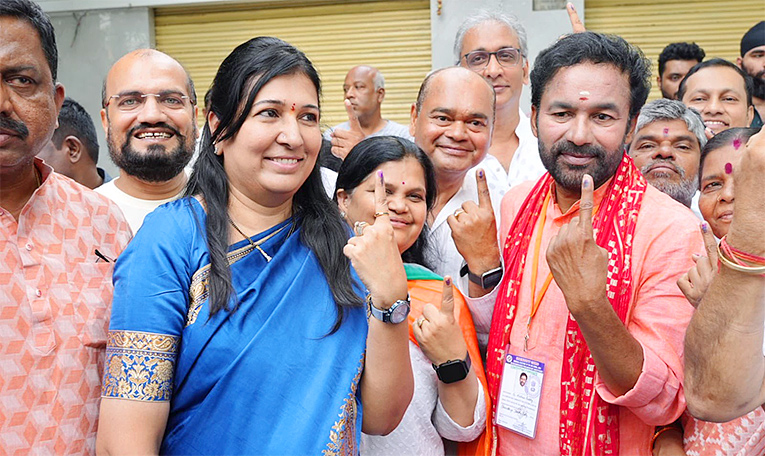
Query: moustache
{"x": 15, "y": 126}
{"x": 569, "y": 148}
{"x": 663, "y": 162}
{"x": 142, "y": 126}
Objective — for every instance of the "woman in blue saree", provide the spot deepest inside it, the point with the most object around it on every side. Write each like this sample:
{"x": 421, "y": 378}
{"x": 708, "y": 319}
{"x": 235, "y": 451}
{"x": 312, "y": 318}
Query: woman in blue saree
{"x": 237, "y": 326}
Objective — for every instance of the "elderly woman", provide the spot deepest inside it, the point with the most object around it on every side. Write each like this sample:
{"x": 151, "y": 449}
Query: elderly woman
{"x": 236, "y": 325}
{"x": 449, "y": 396}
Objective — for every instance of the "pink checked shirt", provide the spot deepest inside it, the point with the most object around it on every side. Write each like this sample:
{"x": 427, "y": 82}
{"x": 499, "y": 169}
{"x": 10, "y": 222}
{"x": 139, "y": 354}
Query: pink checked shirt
{"x": 666, "y": 235}
{"x": 54, "y": 308}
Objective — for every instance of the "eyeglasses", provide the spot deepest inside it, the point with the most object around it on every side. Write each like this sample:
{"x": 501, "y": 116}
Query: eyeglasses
{"x": 136, "y": 101}
{"x": 507, "y": 57}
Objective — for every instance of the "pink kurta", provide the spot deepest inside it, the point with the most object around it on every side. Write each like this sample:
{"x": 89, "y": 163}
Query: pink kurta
{"x": 666, "y": 235}
{"x": 55, "y": 296}
{"x": 744, "y": 436}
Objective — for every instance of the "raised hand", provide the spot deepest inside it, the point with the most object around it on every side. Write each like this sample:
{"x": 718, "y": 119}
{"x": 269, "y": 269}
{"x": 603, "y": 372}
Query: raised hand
{"x": 474, "y": 230}
{"x": 576, "y": 24}
{"x": 579, "y": 265}
{"x": 344, "y": 140}
{"x": 695, "y": 282}
{"x": 374, "y": 253}
{"x": 437, "y": 331}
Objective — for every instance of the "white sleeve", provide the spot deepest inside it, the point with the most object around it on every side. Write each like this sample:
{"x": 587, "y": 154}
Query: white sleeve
{"x": 448, "y": 429}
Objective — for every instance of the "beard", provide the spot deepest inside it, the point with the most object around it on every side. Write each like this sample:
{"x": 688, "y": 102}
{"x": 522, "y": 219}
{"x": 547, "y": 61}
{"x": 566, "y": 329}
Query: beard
{"x": 682, "y": 191}
{"x": 156, "y": 164}
{"x": 569, "y": 176}
{"x": 758, "y": 85}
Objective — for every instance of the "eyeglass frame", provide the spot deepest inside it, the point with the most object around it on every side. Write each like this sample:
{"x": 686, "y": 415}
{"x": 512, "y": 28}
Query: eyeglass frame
{"x": 156, "y": 96}
{"x": 520, "y": 60}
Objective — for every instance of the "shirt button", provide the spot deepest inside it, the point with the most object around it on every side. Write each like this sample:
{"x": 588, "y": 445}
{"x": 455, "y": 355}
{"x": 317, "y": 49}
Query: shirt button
{"x": 28, "y": 246}
{"x": 38, "y": 293}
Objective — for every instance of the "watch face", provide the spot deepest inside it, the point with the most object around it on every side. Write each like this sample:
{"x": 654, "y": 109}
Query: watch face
{"x": 399, "y": 312}
{"x": 452, "y": 372}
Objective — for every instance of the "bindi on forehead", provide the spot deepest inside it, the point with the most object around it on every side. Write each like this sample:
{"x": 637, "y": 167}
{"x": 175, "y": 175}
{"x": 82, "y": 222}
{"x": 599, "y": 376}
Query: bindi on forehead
{"x": 736, "y": 143}
{"x": 666, "y": 131}
{"x": 728, "y": 168}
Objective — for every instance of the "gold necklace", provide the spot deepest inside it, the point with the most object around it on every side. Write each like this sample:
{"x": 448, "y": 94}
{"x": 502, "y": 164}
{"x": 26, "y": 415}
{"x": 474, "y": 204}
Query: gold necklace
{"x": 38, "y": 178}
{"x": 256, "y": 245}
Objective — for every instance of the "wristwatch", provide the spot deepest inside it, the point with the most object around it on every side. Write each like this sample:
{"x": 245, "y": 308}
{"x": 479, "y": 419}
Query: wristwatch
{"x": 488, "y": 279}
{"x": 453, "y": 370}
{"x": 394, "y": 314}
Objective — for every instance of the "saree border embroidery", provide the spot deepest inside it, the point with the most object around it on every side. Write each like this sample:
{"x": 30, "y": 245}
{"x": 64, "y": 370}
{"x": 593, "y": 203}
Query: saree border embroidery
{"x": 342, "y": 436}
{"x": 198, "y": 290}
{"x": 139, "y": 366}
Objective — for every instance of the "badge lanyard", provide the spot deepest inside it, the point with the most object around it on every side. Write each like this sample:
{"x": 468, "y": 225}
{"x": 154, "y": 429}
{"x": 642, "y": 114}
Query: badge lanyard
{"x": 537, "y": 300}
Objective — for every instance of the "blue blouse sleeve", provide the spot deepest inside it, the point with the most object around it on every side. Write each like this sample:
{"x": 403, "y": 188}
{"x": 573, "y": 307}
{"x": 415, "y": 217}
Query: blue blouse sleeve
{"x": 151, "y": 299}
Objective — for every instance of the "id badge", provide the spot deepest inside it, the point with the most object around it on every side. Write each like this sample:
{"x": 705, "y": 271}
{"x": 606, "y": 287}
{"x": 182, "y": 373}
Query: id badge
{"x": 520, "y": 392}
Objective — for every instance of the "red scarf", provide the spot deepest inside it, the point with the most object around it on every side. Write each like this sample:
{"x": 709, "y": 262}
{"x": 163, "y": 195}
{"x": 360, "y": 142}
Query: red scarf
{"x": 588, "y": 425}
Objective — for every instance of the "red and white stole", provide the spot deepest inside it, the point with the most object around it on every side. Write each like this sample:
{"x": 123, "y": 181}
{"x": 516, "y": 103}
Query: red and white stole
{"x": 588, "y": 424}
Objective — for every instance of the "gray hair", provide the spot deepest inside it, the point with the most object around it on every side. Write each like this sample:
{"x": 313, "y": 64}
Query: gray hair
{"x": 507, "y": 19}
{"x": 666, "y": 109}
{"x": 379, "y": 80}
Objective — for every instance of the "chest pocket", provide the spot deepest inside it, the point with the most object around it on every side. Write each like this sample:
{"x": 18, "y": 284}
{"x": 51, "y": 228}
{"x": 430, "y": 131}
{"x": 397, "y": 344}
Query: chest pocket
{"x": 92, "y": 299}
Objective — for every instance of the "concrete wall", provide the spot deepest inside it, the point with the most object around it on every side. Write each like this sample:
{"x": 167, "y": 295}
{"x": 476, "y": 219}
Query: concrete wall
{"x": 542, "y": 27}
{"x": 89, "y": 43}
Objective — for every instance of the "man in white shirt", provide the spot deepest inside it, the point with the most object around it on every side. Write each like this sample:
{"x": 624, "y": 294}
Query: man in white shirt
{"x": 493, "y": 44}
{"x": 452, "y": 122}
{"x": 149, "y": 116}
{"x": 364, "y": 92}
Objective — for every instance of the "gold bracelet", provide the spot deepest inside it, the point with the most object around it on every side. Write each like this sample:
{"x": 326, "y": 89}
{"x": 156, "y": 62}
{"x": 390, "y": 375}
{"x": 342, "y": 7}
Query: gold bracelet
{"x": 727, "y": 262}
{"x": 662, "y": 430}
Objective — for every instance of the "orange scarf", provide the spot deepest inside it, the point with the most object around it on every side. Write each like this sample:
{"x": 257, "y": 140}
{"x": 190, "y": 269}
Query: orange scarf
{"x": 588, "y": 425}
{"x": 424, "y": 291}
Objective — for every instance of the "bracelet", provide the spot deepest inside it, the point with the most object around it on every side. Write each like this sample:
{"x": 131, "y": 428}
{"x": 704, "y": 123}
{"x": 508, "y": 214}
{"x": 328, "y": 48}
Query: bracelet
{"x": 737, "y": 254}
{"x": 724, "y": 250}
{"x": 662, "y": 430}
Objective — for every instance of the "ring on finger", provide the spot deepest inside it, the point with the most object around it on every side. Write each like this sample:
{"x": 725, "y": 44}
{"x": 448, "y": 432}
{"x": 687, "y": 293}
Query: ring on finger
{"x": 420, "y": 321}
{"x": 358, "y": 228}
{"x": 380, "y": 214}
{"x": 458, "y": 212}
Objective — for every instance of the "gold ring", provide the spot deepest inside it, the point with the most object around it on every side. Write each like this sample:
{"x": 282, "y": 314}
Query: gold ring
{"x": 420, "y": 321}
{"x": 380, "y": 214}
{"x": 458, "y": 212}
{"x": 358, "y": 228}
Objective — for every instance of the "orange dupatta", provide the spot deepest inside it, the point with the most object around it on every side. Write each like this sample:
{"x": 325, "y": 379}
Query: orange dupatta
{"x": 426, "y": 287}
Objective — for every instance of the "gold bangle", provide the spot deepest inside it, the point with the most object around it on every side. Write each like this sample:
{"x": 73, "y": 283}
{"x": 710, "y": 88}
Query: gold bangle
{"x": 728, "y": 263}
{"x": 662, "y": 430}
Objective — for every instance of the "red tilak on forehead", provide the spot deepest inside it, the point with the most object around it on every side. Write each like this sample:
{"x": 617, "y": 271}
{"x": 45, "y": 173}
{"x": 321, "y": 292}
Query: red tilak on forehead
{"x": 666, "y": 131}
{"x": 583, "y": 98}
{"x": 293, "y": 107}
{"x": 728, "y": 168}
{"x": 736, "y": 143}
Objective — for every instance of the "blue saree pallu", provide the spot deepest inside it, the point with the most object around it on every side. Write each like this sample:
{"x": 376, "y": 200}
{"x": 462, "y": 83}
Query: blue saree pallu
{"x": 266, "y": 376}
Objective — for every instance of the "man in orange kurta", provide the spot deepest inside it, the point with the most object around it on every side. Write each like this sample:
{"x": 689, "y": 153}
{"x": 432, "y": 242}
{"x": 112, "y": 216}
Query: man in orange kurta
{"x": 591, "y": 255}
{"x": 58, "y": 243}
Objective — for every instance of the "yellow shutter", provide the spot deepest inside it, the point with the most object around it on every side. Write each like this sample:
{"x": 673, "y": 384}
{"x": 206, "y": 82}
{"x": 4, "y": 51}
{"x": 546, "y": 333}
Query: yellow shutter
{"x": 393, "y": 36}
{"x": 717, "y": 26}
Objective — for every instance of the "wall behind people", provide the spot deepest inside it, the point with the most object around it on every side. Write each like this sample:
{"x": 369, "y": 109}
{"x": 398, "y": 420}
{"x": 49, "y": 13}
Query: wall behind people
{"x": 543, "y": 27}
{"x": 652, "y": 24}
{"x": 88, "y": 44}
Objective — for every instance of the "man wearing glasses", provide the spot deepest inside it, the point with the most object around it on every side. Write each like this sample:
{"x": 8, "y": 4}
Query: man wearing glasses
{"x": 149, "y": 116}
{"x": 493, "y": 44}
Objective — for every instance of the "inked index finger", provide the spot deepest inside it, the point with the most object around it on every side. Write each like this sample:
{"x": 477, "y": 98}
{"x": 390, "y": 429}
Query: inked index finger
{"x": 447, "y": 297}
{"x": 484, "y": 197}
{"x": 586, "y": 204}
{"x": 381, "y": 198}
{"x": 573, "y": 16}
{"x": 710, "y": 243}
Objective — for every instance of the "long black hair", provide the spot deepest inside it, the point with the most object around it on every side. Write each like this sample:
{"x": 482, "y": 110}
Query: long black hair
{"x": 367, "y": 156}
{"x": 239, "y": 79}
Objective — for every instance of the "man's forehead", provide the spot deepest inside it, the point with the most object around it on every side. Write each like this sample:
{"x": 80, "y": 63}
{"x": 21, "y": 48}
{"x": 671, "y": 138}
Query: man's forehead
{"x": 20, "y": 46}
{"x": 459, "y": 93}
{"x": 360, "y": 73}
{"x": 715, "y": 78}
{"x": 670, "y": 128}
{"x": 489, "y": 35}
{"x": 588, "y": 84}
{"x": 146, "y": 74}
{"x": 758, "y": 50}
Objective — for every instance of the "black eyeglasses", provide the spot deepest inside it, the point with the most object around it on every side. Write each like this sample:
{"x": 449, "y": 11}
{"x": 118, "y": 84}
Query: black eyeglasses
{"x": 507, "y": 57}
